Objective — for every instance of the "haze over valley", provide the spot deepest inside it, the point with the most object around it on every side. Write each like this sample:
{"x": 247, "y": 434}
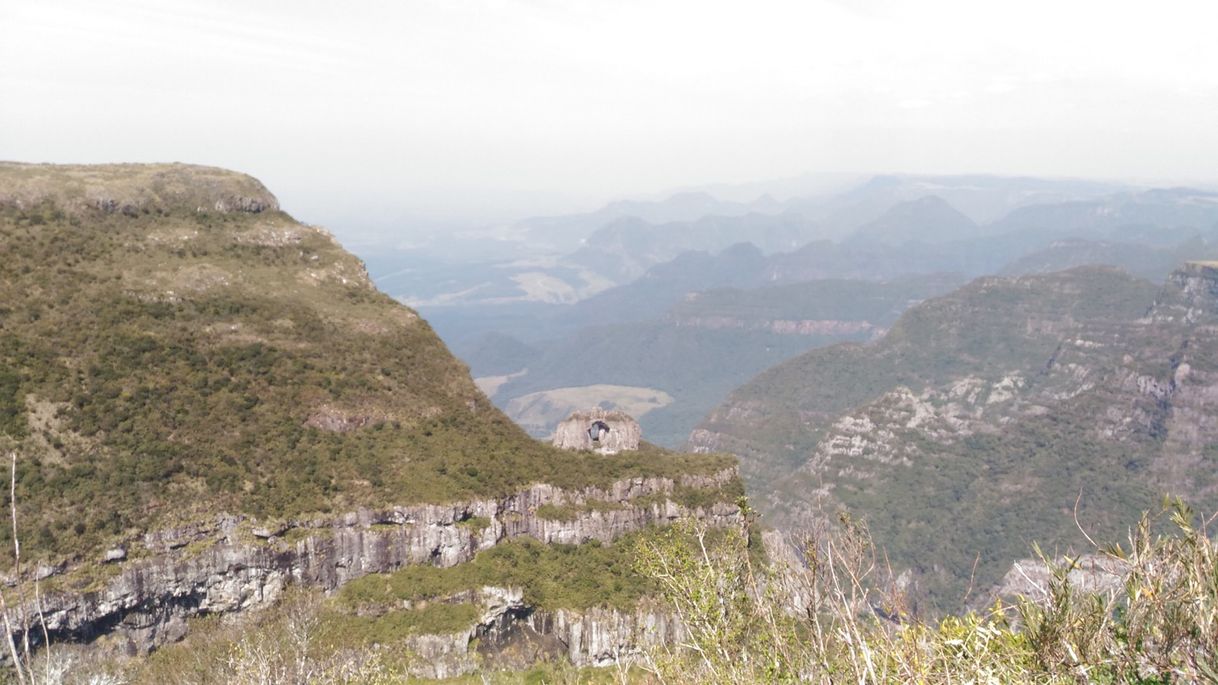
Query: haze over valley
{"x": 688, "y": 297}
{"x": 647, "y": 343}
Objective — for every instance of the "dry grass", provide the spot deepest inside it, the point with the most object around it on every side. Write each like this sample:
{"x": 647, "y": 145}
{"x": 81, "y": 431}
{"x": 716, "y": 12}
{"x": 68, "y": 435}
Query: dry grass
{"x": 840, "y": 618}
{"x": 131, "y": 188}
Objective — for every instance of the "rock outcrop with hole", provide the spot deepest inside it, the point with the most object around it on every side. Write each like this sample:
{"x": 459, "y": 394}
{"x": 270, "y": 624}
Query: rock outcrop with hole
{"x": 599, "y": 430}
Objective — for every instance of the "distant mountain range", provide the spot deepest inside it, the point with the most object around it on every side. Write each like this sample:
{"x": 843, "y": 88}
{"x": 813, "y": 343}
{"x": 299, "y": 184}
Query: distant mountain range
{"x": 625, "y": 249}
{"x": 928, "y": 219}
{"x": 1152, "y": 262}
{"x": 563, "y": 259}
{"x": 569, "y": 232}
{"x": 536, "y": 327}
{"x": 698, "y": 350}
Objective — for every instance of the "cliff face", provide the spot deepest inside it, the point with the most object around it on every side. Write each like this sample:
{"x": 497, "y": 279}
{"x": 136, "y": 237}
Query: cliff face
{"x": 233, "y": 564}
{"x": 1191, "y": 294}
{"x": 512, "y": 635}
{"x": 172, "y": 346}
{"x": 972, "y": 428}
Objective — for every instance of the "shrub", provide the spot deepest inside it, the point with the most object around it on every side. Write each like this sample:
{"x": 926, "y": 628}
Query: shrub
{"x": 838, "y": 618}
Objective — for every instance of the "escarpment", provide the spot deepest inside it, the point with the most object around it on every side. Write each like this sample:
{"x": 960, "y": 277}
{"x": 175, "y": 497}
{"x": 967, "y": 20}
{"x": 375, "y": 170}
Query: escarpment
{"x": 209, "y": 401}
{"x": 234, "y": 563}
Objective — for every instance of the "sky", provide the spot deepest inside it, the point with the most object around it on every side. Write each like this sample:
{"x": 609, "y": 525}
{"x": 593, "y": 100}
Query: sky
{"x": 366, "y": 115}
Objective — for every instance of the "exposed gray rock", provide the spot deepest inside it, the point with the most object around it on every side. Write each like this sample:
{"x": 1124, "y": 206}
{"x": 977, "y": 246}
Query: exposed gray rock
{"x": 511, "y": 634}
{"x": 222, "y": 567}
{"x": 44, "y": 571}
{"x": 615, "y": 431}
{"x": 1089, "y": 573}
{"x": 1192, "y": 292}
{"x": 441, "y": 656}
{"x": 603, "y": 636}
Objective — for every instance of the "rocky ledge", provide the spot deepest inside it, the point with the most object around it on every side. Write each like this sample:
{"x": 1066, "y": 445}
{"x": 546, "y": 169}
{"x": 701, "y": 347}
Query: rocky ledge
{"x": 1190, "y": 295}
{"x": 144, "y": 595}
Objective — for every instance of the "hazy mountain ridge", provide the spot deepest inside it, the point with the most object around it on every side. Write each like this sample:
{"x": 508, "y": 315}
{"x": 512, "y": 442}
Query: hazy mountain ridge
{"x": 975, "y": 423}
{"x": 648, "y": 233}
{"x": 1152, "y": 262}
{"x": 928, "y": 219}
{"x": 626, "y": 248}
{"x": 712, "y": 341}
{"x": 643, "y": 346}
{"x": 567, "y": 233}
{"x": 888, "y": 227}
{"x": 982, "y": 198}
{"x": 1159, "y": 217}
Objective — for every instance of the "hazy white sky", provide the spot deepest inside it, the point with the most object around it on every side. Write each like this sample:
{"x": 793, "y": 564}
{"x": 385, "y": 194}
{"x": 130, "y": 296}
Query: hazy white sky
{"x": 483, "y": 109}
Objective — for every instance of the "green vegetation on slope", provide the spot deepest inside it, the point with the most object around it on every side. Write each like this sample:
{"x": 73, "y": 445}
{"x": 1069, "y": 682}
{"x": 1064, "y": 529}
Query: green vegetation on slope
{"x": 973, "y": 427}
{"x": 160, "y": 360}
{"x": 831, "y": 299}
{"x": 710, "y": 343}
{"x": 985, "y": 328}
{"x": 552, "y": 577}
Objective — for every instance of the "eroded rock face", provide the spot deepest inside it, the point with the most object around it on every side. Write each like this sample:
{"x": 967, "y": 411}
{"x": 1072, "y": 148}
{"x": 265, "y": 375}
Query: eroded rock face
{"x": 1031, "y": 578}
{"x": 513, "y": 635}
{"x": 990, "y": 410}
{"x": 1191, "y": 293}
{"x": 615, "y": 431}
{"x": 234, "y": 564}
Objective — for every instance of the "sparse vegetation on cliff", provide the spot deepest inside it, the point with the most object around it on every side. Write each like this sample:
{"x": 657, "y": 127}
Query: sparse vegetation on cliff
{"x": 835, "y": 617}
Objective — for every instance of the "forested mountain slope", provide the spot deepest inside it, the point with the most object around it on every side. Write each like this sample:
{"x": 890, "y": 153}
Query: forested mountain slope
{"x": 972, "y": 427}
{"x": 702, "y": 347}
{"x": 173, "y": 345}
